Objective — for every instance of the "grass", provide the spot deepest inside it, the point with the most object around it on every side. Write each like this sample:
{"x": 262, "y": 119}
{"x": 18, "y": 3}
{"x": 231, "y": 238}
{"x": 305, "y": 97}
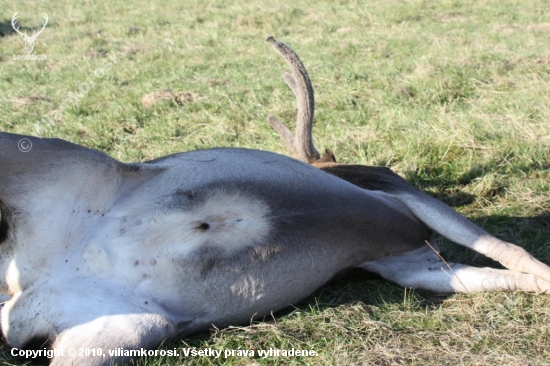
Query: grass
{"x": 453, "y": 95}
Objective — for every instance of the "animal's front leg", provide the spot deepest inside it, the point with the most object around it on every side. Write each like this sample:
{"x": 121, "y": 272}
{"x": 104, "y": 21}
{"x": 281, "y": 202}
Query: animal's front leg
{"x": 112, "y": 339}
{"x": 73, "y": 314}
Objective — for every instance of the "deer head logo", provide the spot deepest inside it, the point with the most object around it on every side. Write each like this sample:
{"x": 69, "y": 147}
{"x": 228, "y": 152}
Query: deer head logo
{"x": 29, "y": 41}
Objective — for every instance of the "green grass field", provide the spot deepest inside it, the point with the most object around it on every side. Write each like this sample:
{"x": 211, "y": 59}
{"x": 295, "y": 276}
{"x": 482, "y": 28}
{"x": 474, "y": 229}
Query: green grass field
{"x": 453, "y": 95}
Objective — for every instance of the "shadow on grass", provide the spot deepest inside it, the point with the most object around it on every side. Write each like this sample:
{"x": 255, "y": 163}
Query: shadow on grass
{"x": 6, "y": 29}
{"x": 443, "y": 186}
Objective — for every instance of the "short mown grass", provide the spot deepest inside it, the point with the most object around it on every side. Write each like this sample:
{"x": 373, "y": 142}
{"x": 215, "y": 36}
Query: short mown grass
{"x": 453, "y": 95}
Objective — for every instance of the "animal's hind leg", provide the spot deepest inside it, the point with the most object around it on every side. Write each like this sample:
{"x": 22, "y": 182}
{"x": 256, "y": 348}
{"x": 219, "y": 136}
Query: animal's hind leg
{"x": 424, "y": 269}
{"x": 449, "y": 223}
{"x": 440, "y": 217}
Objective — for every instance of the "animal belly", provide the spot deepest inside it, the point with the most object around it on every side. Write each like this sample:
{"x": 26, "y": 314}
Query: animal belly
{"x": 230, "y": 280}
{"x": 244, "y": 237}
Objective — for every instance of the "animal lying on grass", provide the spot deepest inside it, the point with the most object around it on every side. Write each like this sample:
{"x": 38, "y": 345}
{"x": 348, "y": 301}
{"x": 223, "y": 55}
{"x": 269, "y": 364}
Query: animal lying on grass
{"x": 96, "y": 253}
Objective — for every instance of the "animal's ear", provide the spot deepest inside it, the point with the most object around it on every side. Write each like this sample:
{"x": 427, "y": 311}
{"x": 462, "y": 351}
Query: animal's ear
{"x": 31, "y": 167}
{"x": 328, "y": 157}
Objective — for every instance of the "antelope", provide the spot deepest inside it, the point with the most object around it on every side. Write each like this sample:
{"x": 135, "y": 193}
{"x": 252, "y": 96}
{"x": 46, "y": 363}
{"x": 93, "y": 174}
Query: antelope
{"x": 29, "y": 41}
{"x": 97, "y": 253}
